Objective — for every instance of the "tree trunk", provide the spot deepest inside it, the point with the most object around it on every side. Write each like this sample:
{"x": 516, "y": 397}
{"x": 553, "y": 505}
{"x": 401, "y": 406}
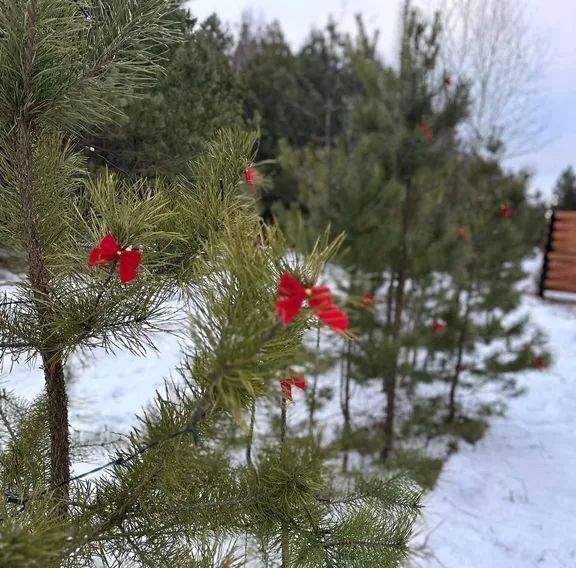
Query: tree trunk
{"x": 283, "y": 425}
{"x": 52, "y": 360}
{"x": 399, "y": 300}
{"x": 250, "y": 437}
{"x": 345, "y": 405}
{"x": 285, "y": 537}
{"x": 389, "y": 312}
{"x": 458, "y": 368}
{"x": 52, "y": 357}
{"x": 390, "y": 381}
{"x": 314, "y": 390}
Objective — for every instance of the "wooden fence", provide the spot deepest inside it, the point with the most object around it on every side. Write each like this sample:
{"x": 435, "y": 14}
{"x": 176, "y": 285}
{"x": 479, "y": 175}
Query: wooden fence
{"x": 559, "y": 270}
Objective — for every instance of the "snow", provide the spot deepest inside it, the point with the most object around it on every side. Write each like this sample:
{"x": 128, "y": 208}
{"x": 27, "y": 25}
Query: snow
{"x": 510, "y": 500}
{"x": 106, "y": 390}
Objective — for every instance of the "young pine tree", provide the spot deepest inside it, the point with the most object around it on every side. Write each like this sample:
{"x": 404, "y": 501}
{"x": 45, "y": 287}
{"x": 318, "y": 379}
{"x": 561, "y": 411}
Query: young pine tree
{"x": 565, "y": 190}
{"x": 383, "y": 183}
{"x": 60, "y": 61}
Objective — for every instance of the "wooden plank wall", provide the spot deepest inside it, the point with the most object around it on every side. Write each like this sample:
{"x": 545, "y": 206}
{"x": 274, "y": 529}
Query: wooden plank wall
{"x": 559, "y": 270}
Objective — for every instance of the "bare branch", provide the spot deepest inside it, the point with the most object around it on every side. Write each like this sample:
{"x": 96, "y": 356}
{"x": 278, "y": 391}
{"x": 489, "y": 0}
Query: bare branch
{"x": 489, "y": 44}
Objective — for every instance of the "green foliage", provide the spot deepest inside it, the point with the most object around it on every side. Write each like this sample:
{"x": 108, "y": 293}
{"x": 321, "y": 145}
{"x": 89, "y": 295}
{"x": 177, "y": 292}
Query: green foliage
{"x": 32, "y": 538}
{"x": 169, "y": 499}
{"x": 470, "y": 430}
{"x": 25, "y": 459}
{"x": 163, "y": 130}
{"x": 565, "y": 190}
{"x": 424, "y": 235}
{"x": 364, "y": 149}
{"x": 62, "y": 67}
{"x": 420, "y": 467}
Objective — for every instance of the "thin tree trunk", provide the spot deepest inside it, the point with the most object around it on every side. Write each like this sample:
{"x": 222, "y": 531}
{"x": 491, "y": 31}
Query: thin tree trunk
{"x": 426, "y": 361}
{"x": 345, "y": 400}
{"x": 52, "y": 357}
{"x": 314, "y": 390}
{"x": 251, "y": 433}
{"x": 458, "y": 368}
{"x": 389, "y": 299}
{"x": 283, "y": 425}
{"x": 285, "y": 546}
{"x": 312, "y": 405}
{"x": 399, "y": 301}
{"x": 411, "y": 386}
{"x": 391, "y": 379}
{"x": 389, "y": 312}
{"x": 285, "y": 536}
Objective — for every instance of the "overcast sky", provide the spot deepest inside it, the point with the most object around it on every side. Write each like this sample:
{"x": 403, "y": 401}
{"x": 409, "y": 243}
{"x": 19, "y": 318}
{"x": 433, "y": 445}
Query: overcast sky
{"x": 554, "y": 22}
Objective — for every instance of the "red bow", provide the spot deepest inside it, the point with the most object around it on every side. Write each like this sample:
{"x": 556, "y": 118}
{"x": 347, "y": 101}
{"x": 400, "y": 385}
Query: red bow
{"x": 367, "y": 300}
{"x": 287, "y": 385}
{"x": 462, "y": 234}
{"x": 505, "y": 211}
{"x": 438, "y": 327}
{"x": 426, "y": 131}
{"x": 539, "y": 363}
{"x": 250, "y": 177}
{"x": 110, "y": 251}
{"x": 291, "y": 298}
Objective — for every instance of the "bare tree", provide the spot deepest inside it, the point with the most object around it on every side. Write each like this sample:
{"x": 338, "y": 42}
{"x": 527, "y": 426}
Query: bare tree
{"x": 490, "y": 44}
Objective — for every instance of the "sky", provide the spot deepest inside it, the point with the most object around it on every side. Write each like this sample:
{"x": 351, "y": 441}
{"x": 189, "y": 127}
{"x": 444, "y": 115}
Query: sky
{"x": 552, "y": 23}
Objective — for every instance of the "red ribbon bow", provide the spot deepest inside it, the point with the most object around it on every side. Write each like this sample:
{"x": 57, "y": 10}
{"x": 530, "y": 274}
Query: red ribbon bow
{"x": 292, "y": 296}
{"x": 462, "y": 234}
{"x": 250, "y": 177}
{"x": 539, "y": 363}
{"x": 438, "y": 327}
{"x": 505, "y": 211}
{"x": 367, "y": 300}
{"x": 287, "y": 385}
{"x": 109, "y": 251}
{"x": 426, "y": 131}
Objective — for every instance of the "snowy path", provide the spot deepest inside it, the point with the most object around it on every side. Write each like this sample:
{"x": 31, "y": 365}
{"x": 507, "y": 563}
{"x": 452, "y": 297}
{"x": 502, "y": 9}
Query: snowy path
{"x": 510, "y": 501}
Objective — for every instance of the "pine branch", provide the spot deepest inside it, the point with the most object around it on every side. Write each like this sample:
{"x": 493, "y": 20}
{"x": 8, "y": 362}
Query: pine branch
{"x": 7, "y": 424}
{"x": 364, "y": 543}
{"x": 198, "y": 415}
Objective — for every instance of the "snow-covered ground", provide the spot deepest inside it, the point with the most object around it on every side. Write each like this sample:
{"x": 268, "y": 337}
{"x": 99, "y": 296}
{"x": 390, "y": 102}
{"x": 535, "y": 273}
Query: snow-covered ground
{"x": 510, "y": 500}
{"x": 507, "y": 502}
{"x": 106, "y": 390}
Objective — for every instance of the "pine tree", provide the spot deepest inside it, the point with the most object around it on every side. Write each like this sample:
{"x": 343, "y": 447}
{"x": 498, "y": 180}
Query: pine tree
{"x": 383, "y": 186}
{"x": 303, "y": 101}
{"x": 164, "y": 128}
{"x": 496, "y": 217}
{"x": 565, "y": 190}
{"x": 431, "y": 259}
{"x": 59, "y": 66}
